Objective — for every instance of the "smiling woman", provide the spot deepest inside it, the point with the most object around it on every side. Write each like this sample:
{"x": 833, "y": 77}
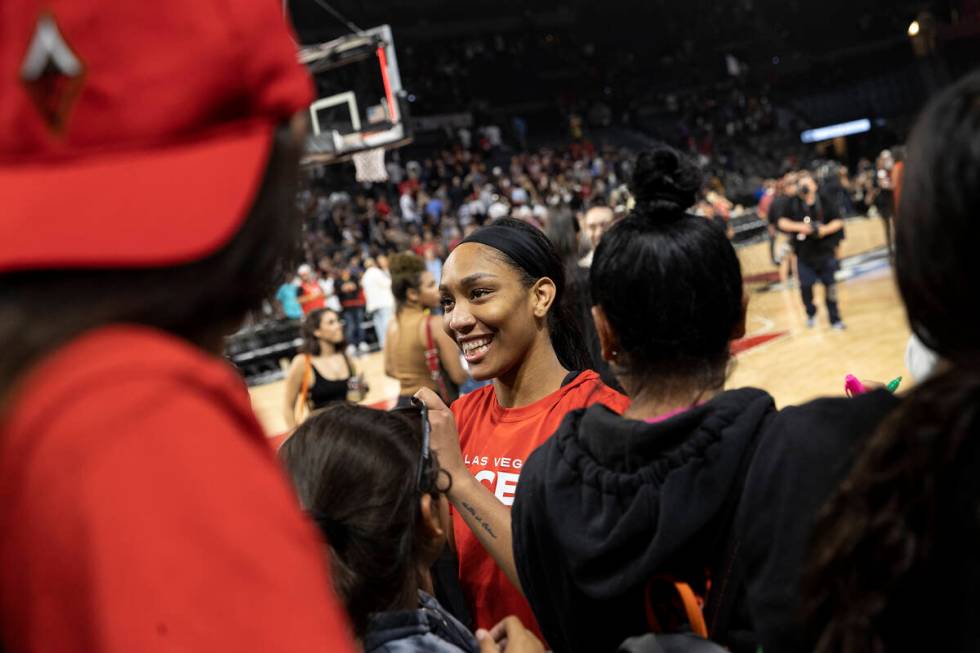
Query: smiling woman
{"x": 503, "y": 300}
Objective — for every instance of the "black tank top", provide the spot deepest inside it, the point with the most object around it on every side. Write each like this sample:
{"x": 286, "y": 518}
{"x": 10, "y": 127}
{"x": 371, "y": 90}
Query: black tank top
{"x": 325, "y": 391}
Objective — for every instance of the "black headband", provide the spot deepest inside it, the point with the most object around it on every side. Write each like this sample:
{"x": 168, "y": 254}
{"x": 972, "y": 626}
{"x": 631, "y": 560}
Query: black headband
{"x": 529, "y": 254}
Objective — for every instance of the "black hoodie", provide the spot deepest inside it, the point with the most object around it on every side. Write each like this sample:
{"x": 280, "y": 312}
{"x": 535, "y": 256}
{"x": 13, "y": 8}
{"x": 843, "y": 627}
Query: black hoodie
{"x": 608, "y": 503}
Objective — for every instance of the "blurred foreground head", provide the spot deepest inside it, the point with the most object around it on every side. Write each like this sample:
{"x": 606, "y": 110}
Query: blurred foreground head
{"x": 147, "y": 167}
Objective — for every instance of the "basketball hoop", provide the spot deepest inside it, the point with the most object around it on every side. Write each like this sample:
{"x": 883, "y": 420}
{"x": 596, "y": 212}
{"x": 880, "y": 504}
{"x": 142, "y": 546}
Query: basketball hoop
{"x": 370, "y": 165}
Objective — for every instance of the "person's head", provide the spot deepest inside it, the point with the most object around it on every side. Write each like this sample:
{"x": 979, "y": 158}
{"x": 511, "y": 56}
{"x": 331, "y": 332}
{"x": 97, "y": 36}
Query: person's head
{"x": 322, "y": 329}
{"x": 790, "y": 184}
{"x": 666, "y": 285}
{"x": 938, "y": 224}
{"x": 562, "y": 231}
{"x": 305, "y": 272}
{"x": 185, "y": 227}
{"x": 383, "y": 262}
{"x": 369, "y": 262}
{"x": 411, "y": 282}
{"x": 807, "y": 184}
{"x": 597, "y": 221}
{"x": 886, "y": 160}
{"x": 895, "y": 516}
{"x": 502, "y": 294}
{"x": 706, "y": 209}
{"x": 379, "y": 502}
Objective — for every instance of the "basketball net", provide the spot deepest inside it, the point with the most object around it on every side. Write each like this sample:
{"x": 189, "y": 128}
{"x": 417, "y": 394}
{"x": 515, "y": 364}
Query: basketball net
{"x": 370, "y": 165}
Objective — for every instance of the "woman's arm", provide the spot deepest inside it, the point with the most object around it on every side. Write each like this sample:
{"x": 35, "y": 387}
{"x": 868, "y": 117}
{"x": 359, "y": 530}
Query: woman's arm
{"x": 830, "y": 228}
{"x": 485, "y": 516}
{"x": 294, "y": 379}
{"x": 793, "y": 226}
{"x": 391, "y": 345}
{"x": 357, "y": 372}
{"x": 449, "y": 355}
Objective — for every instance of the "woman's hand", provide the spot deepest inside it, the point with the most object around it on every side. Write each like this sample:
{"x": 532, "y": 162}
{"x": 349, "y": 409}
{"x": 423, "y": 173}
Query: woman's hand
{"x": 509, "y": 636}
{"x": 486, "y": 517}
{"x": 444, "y": 439}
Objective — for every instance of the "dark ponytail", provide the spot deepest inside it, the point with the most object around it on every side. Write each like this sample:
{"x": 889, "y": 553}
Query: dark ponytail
{"x": 355, "y": 470}
{"x": 669, "y": 282}
{"x": 665, "y": 183}
{"x": 526, "y": 249}
{"x": 909, "y": 501}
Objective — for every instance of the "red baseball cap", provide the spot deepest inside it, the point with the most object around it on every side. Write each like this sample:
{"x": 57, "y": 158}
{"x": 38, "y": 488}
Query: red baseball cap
{"x": 136, "y": 134}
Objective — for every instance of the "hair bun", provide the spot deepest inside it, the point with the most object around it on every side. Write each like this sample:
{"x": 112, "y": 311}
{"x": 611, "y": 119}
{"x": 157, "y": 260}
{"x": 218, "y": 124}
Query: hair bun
{"x": 405, "y": 263}
{"x": 665, "y": 182}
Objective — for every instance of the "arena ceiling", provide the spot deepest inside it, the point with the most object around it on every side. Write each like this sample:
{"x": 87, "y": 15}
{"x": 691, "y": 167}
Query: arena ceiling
{"x": 750, "y": 27}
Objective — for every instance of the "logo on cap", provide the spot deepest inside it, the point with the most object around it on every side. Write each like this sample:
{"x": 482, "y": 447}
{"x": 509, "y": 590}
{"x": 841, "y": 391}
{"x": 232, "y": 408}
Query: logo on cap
{"x": 52, "y": 74}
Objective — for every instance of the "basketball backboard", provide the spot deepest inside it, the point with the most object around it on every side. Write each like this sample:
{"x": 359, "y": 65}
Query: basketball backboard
{"x": 359, "y": 101}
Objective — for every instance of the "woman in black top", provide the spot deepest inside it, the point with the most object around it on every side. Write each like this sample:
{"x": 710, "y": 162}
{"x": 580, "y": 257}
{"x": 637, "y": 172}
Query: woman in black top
{"x": 609, "y": 502}
{"x": 323, "y": 374}
{"x": 891, "y": 562}
{"x": 895, "y": 560}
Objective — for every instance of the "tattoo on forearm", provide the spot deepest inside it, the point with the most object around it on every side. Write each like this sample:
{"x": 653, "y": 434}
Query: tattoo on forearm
{"x": 479, "y": 520}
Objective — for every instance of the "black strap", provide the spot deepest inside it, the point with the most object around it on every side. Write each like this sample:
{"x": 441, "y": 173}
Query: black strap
{"x": 571, "y": 376}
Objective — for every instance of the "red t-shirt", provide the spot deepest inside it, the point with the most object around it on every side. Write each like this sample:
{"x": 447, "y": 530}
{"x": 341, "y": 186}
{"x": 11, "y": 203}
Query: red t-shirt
{"x": 495, "y": 442}
{"x": 312, "y": 297}
{"x": 142, "y": 510}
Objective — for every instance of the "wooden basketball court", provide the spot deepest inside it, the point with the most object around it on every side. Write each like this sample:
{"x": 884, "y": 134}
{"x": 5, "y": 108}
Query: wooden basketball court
{"x": 779, "y": 353}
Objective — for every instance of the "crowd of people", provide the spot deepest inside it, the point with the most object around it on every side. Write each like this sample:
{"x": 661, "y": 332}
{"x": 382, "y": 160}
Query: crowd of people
{"x": 142, "y": 508}
{"x": 443, "y": 198}
{"x": 531, "y": 462}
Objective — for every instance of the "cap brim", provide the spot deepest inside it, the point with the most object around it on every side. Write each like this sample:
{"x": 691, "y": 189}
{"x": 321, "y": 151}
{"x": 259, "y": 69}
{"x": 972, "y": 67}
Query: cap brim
{"x": 152, "y": 208}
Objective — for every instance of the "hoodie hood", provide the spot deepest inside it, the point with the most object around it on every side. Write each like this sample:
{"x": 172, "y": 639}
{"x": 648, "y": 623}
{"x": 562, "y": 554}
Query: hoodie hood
{"x": 608, "y": 502}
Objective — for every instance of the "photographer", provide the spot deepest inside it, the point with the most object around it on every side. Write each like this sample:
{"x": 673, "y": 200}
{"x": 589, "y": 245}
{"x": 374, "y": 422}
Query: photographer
{"x": 813, "y": 219}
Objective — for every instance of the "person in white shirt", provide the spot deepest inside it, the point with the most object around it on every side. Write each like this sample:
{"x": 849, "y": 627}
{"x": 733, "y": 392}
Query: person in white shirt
{"x": 409, "y": 210}
{"x": 376, "y": 284}
{"x": 327, "y": 285}
{"x": 596, "y": 222}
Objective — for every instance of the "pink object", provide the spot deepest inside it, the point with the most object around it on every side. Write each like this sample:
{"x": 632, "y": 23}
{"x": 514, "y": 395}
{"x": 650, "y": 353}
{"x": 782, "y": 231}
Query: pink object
{"x": 853, "y": 386}
{"x": 667, "y": 416}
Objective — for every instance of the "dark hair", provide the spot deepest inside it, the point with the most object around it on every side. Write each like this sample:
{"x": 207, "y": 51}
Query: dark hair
{"x": 311, "y": 323}
{"x": 669, "y": 282}
{"x": 406, "y": 274}
{"x": 564, "y": 323}
{"x": 355, "y": 470}
{"x": 199, "y": 301}
{"x": 562, "y": 231}
{"x": 906, "y": 503}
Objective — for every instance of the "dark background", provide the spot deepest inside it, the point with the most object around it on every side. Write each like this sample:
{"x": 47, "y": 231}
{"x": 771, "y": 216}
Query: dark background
{"x": 658, "y": 68}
